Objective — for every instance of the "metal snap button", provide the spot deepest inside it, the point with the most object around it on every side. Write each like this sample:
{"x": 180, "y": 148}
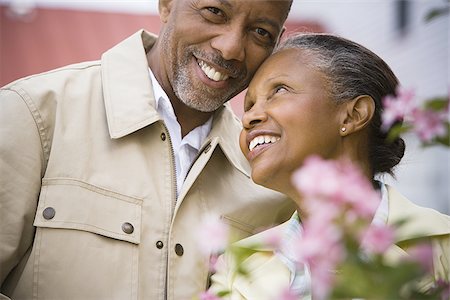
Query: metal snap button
{"x": 179, "y": 249}
{"x": 207, "y": 148}
{"x": 127, "y": 228}
{"x": 48, "y": 213}
{"x": 159, "y": 244}
{"x": 163, "y": 136}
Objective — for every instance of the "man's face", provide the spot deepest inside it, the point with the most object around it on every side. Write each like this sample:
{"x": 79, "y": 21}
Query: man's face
{"x": 212, "y": 48}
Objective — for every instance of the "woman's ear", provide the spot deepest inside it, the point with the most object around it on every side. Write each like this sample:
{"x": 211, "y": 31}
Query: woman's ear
{"x": 358, "y": 114}
{"x": 164, "y": 8}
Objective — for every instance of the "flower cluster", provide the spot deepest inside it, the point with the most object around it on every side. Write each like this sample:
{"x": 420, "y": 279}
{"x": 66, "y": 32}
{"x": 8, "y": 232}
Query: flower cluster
{"x": 429, "y": 122}
{"x": 340, "y": 204}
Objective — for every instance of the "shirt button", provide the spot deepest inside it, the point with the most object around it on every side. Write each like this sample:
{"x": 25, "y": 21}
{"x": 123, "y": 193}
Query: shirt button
{"x": 179, "y": 249}
{"x": 48, "y": 213}
{"x": 159, "y": 244}
{"x": 163, "y": 136}
{"x": 127, "y": 228}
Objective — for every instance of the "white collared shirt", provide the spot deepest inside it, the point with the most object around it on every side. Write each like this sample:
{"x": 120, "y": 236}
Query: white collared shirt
{"x": 184, "y": 149}
{"x": 301, "y": 275}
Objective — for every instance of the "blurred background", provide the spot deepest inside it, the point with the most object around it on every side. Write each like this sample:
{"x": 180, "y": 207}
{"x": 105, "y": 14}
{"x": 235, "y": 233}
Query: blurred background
{"x": 38, "y": 35}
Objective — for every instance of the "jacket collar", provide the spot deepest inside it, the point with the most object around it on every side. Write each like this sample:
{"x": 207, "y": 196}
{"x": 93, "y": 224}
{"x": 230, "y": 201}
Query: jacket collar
{"x": 127, "y": 89}
{"x": 227, "y": 127}
{"x": 420, "y": 221}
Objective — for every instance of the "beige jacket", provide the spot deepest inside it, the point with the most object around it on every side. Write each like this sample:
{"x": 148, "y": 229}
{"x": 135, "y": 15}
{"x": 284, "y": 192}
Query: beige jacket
{"x": 87, "y": 186}
{"x": 268, "y": 276}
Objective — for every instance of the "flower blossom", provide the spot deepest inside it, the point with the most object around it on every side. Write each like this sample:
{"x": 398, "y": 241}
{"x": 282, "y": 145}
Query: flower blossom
{"x": 423, "y": 254}
{"x": 339, "y": 182}
{"x": 429, "y": 124}
{"x": 396, "y": 108}
{"x": 212, "y": 235}
{"x": 208, "y": 295}
{"x": 336, "y": 196}
{"x": 377, "y": 239}
{"x": 288, "y": 294}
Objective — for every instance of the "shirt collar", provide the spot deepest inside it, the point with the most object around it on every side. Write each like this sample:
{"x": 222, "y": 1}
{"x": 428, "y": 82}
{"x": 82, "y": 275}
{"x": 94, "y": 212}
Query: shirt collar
{"x": 382, "y": 212}
{"x": 194, "y": 138}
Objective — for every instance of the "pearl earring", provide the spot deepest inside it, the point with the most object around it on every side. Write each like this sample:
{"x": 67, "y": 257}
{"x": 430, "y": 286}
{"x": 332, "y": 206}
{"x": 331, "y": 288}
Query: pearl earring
{"x": 343, "y": 129}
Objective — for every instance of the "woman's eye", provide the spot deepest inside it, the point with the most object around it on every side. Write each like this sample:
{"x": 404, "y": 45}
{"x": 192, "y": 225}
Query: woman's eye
{"x": 280, "y": 89}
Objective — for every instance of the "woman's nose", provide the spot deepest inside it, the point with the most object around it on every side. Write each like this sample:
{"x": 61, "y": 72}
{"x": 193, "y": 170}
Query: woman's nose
{"x": 253, "y": 117}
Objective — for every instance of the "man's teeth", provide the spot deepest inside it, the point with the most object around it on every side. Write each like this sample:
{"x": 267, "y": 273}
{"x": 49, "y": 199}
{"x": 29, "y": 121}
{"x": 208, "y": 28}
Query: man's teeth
{"x": 262, "y": 139}
{"x": 211, "y": 72}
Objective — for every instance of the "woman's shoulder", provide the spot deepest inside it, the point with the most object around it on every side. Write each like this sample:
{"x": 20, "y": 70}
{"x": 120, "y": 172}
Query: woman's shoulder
{"x": 419, "y": 221}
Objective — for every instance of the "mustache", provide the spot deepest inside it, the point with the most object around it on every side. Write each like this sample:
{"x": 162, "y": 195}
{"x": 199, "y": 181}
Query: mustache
{"x": 235, "y": 69}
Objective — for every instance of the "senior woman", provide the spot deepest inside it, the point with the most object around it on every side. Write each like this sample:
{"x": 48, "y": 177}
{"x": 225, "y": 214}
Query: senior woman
{"x": 321, "y": 95}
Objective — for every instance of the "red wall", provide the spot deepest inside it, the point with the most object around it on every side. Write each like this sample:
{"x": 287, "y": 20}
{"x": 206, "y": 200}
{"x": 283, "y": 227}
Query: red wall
{"x": 50, "y": 38}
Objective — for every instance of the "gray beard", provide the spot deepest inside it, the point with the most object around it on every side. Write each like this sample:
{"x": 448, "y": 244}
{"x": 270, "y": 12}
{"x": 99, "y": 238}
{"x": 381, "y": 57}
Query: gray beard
{"x": 198, "y": 99}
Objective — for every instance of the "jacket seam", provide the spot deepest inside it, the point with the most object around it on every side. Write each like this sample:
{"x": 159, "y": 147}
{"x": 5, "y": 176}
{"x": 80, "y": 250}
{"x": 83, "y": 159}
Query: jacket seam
{"x": 93, "y": 188}
{"x": 38, "y": 120}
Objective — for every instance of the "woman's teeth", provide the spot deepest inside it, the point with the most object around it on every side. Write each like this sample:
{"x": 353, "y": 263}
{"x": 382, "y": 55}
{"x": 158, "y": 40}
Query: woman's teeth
{"x": 211, "y": 73}
{"x": 262, "y": 139}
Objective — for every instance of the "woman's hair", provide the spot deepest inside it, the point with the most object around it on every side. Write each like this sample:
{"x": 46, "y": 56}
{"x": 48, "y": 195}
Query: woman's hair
{"x": 351, "y": 70}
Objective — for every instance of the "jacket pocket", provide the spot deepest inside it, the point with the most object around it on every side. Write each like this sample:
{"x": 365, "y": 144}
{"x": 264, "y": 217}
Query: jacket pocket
{"x": 72, "y": 204}
{"x": 86, "y": 244}
{"x": 243, "y": 228}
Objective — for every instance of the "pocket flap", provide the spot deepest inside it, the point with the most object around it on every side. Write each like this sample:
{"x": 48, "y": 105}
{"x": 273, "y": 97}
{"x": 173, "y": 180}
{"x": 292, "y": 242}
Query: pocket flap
{"x": 72, "y": 204}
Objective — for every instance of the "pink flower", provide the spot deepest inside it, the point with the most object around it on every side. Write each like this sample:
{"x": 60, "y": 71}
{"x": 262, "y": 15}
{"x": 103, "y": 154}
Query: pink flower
{"x": 396, "y": 108}
{"x": 208, "y": 295}
{"x": 339, "y": 182}
{"x": 423, "y": 254}
{"x": 213, "y": 262}
{"x": 212, "y": 235}
{"x": 429, "y": 124}
{"x": 288, "y": 294}
{"x": 273, "y": 238}
{"x": 377, "y": 239}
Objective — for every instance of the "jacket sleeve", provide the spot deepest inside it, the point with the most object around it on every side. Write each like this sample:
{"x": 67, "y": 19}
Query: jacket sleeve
{"x": 441, "y": 257}
{"x": 266, "y": 277}
{"x": 21, "y": 169}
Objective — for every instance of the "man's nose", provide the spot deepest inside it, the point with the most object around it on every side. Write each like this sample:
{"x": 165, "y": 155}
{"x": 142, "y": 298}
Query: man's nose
{"x": 230, "y": 44}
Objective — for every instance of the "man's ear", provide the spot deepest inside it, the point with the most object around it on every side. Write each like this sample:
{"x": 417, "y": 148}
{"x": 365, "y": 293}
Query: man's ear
{"x": 283, "y": 30}
{"x": 164, "y": 7}
{"x": 358, "y": 114}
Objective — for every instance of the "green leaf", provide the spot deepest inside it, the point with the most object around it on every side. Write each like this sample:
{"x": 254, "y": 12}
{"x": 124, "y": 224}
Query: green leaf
{"x": 437, "y": 104}
{"x": 223, "y": 293}
{"x": 436, "y": 12}
{"x": 396, "y": 131}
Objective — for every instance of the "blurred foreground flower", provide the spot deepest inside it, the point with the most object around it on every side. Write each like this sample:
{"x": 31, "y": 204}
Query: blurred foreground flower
{"x": 429, "y": 122}
{"x": 212, "y": 236}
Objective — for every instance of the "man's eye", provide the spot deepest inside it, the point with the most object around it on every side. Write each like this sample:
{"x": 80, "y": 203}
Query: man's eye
{"x": 215, "y": 10}
{"x": 264, "y": 36}
{"x": 213, "y": 14}
{"x": 262, "y": 32}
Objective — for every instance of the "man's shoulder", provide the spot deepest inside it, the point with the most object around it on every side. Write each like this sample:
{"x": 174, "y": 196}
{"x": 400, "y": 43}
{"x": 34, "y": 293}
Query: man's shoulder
{"x": 57, "y": 75}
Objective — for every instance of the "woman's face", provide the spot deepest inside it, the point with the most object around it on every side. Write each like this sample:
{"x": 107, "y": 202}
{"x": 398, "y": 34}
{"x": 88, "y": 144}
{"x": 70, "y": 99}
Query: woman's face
{"x": 288, "y": 116}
